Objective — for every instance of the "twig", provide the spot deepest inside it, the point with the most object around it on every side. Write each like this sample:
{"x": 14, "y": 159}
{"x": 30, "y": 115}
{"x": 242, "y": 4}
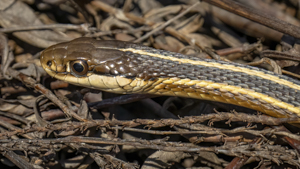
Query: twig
{"x": 264, "y": 151}
{"x": 160, "y": 27}
{"x": 82, "y": 27}
{"x": 257, "y": 16}
{"x": 123, "y": 99}
{"x": 33, "y": 84}
{"x": 127, "y": 124}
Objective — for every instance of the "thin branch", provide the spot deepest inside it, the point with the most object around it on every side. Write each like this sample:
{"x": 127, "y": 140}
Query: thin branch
{"x": 257, "y": 16}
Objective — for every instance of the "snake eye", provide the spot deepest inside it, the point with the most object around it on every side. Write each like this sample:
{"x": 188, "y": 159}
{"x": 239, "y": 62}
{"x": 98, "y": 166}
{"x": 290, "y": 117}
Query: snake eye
{"x": 79, "y": 67}
{"x": 49, "y": 63}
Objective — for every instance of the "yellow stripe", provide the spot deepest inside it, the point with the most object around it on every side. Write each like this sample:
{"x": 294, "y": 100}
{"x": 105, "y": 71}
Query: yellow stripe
{"x": 232, "y": 89}
{"x": 220, "y": 66}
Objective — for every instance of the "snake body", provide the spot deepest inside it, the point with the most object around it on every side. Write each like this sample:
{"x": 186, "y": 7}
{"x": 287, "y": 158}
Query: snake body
{"x": 124, "y": 67}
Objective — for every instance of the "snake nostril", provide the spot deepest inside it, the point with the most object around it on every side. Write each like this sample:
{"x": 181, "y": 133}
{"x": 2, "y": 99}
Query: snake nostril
{"x": 49, "y": 63}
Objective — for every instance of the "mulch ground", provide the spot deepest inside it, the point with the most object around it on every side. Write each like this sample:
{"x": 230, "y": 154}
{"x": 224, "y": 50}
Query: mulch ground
{"x": 47, "y": 123}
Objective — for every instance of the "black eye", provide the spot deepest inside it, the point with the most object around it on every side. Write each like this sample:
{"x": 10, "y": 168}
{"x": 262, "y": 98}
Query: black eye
{"x": 49, "y": 63}
{"x": 79, "y": 67}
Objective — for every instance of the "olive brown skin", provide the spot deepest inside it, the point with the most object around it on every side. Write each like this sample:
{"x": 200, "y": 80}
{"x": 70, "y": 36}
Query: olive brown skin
{"x": 124, "y": 67}
{"x": 80, "y": 60}
{"x": 85, "y": 52}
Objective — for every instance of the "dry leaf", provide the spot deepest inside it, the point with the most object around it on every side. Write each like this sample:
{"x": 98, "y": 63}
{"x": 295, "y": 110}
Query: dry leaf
{"x": 17, "y": 14}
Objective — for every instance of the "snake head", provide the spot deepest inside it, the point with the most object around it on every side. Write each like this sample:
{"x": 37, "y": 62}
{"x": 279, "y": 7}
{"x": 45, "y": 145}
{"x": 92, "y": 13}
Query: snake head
{"x": 90, "y": 63}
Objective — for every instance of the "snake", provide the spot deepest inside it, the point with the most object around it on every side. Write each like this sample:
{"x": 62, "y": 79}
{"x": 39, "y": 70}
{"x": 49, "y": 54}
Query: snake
{"x": 127, "y": 68}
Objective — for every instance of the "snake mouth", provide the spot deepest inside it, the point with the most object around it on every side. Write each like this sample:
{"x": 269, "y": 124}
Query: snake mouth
{"x": 101, "y": 82}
